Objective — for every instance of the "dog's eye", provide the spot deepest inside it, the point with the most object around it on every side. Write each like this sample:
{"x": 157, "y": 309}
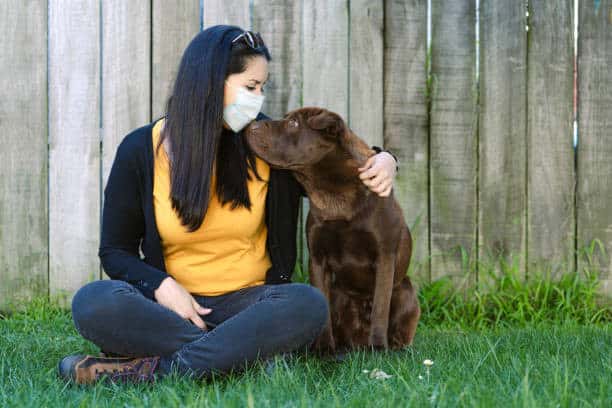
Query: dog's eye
{"x": 293, "y": 123}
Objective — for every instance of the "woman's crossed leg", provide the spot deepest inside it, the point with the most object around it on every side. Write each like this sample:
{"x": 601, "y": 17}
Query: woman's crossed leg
{"x": 244, "y": 325}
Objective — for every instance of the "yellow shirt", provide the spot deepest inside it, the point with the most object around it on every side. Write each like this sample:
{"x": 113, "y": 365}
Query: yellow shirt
{"x": 228, "y": 251}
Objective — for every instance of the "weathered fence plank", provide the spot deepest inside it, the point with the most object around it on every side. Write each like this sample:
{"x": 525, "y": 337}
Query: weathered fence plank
{"x": 595, "y": 135}
{"x": 550, "y": 158}
{"x": 280, "y": 25}
{"x": 232, "y": 12}
{"x": 23, "y": 156}
{"x": 453, "y": 140}
{"x": 126, "y": 76}
{"x": 366, "y": 70}
{"x": 406, "y": 118}
{"x": 326, "y": 44}
{"x": 502, "y": 137}
{"x": 74, "y": 144}
{"x": 174, "y": 24}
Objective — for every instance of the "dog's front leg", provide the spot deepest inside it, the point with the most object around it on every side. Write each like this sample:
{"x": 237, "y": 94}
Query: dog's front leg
{"x": 382, "y": 302}
{"x": 321, "y": 280}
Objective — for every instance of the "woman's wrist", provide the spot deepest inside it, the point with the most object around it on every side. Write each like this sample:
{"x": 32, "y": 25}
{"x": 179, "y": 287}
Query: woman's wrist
{"x": 378, "y": 149}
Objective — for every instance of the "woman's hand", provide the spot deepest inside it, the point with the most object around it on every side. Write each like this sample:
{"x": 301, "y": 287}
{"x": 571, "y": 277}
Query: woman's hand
{"x": 172, "y": 295}
{"x": 378, "y": 173}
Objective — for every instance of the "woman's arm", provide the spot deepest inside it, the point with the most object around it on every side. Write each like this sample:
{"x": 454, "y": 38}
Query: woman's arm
{"x": 123, "y": 226}
{"x": 379, "y": 172}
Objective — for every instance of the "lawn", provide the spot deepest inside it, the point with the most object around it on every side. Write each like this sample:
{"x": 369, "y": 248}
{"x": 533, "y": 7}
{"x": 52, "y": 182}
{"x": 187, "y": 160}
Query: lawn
{"x": 535, "y": 364}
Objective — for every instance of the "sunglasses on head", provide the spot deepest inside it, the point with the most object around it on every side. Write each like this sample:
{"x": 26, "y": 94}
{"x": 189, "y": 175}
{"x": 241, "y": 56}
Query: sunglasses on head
{"x": 252, "y": 39}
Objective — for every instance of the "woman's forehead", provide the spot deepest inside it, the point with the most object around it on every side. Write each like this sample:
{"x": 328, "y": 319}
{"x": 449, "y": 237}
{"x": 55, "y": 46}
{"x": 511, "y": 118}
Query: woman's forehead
{"x": 256, "y": 69}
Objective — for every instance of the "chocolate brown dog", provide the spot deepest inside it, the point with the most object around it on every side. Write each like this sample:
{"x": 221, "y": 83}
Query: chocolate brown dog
{"x": 359, "y": 244}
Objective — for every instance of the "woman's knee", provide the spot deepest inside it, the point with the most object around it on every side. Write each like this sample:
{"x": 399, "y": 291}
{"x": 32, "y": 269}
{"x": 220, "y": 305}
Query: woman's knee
{"x": 98, "y": 299}
{"x": 310, "y": 302}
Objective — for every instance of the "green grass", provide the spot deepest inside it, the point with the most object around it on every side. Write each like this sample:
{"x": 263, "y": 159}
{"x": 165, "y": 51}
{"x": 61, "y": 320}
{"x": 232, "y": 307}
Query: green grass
{"x": 504, "y": 341}
{"x": 558, "y": 364}
{"x": 508, "y": 300}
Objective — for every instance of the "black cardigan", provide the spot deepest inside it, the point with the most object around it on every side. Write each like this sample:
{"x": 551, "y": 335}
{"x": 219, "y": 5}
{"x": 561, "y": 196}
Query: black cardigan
{"x": 128, "y": 218}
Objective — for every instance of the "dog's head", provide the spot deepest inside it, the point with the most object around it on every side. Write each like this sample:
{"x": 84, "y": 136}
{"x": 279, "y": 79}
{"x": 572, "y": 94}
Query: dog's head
{"x": 304, "y": 137}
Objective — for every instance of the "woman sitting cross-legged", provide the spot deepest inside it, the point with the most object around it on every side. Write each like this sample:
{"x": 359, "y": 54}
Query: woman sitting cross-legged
{"x": 216, "y": 227}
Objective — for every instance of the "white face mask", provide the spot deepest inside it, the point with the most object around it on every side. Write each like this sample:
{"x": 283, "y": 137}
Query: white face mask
{"x": 243, "y": 110}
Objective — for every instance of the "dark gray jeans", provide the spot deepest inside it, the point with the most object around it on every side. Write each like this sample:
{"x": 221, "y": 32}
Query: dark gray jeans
{"x": 244, "y": 325}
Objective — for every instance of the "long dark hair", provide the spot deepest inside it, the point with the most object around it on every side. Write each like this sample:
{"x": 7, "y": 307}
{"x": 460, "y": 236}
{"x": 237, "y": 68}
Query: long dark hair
{"x": 194, "y": 126}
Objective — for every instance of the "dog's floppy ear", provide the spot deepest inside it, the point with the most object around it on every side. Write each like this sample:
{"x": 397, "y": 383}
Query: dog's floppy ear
{"x": 326, "y": 120}
{"x": 333, "y": 124}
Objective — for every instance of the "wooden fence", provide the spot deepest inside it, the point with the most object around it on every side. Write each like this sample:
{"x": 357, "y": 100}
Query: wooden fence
{"x": 488, "y": 164}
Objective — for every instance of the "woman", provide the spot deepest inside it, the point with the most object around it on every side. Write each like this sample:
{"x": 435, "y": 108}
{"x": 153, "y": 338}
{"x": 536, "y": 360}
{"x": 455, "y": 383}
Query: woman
{"x": 216, "y": 226}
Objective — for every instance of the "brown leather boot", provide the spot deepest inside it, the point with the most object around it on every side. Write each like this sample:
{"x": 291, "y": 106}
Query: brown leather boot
{"x": 86, "y": 369}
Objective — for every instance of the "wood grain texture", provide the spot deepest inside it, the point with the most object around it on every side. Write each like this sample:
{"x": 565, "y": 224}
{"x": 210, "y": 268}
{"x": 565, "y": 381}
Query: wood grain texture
{"x": 326, "y": 63}
{"x": 232, "y": 12}
{"x": 550, "y": 145}
{"x": 406, "y": 119}
{"x": 502, "y": 137}
{"x": 453, "y": 133}
{"x": 126, "y": 76}
{"x": 23, "y": 157}
{"x": 174, "y": 24}
{"x": 74, "y": 144}
{"x": 366, "y": 70}
{"x": 595, "y": 136}
{"x": 280, "y": 24}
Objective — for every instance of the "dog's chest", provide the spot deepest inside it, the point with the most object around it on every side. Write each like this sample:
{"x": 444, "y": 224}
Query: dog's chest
{"x": 347, "y": 252}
